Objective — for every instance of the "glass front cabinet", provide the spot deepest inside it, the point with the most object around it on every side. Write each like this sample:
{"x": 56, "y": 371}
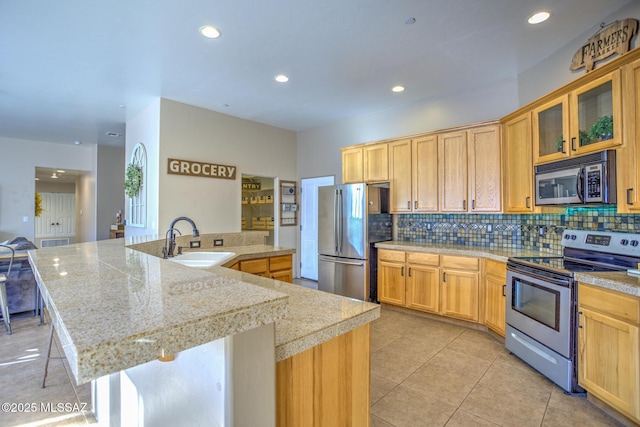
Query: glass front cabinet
{"x": 585, "y": 120}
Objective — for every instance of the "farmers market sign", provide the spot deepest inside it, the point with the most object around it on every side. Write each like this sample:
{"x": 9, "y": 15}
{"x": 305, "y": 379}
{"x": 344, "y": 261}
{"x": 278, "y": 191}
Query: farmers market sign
{"x": 615, "y": 38}
{"x": 207, "y": 170}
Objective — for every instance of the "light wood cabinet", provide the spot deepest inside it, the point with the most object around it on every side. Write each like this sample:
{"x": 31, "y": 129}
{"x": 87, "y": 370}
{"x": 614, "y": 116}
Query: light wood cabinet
{"x": 423, "y": 282}
{"x": 391, "y": 279}
{"x": 352, "y": 165}
{"x": 609, "y": 347}
{"x": 452, "y": 170}
{"x": 277, "y": 267}
{"x": 628, "y": 156}
{"x": 517, "y": 165}
{"x": 484, "y": 159}
{"x": 571, "y": 125}
{"x": 440, "y": 284}
{"x": 495, "y": 277}
{"x": 413, "y": 173}
{"x": 376, "y": 163}
{"x": 460, "y": 288}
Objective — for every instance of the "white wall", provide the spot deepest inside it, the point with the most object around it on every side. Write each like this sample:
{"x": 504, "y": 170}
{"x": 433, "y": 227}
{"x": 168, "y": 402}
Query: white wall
{"x": 192, "y": 133}
{"x": 145, "y": 128}
{"x": 19, "y": 160}
{"x": 110, "y": 177}
{"x": 86, "y": 205}
{"x": 53, "y": 187}
{"x": 554, "y": 72}
{"x": 319, "y": 149}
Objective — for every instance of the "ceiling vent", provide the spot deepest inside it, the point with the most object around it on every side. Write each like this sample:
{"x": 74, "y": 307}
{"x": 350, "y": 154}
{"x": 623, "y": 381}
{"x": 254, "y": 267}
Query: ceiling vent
{"x": 113, "y": 134}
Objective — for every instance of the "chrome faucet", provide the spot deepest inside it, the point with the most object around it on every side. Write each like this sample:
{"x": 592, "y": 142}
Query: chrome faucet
{"x": 170, "y": 237}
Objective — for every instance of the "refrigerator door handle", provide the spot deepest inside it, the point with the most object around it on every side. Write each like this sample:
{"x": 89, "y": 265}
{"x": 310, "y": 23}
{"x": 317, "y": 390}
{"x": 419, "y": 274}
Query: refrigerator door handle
{"x": 339, "y": 261}
{"x": 335, "y": 223}
{"x": 340, "y": 222}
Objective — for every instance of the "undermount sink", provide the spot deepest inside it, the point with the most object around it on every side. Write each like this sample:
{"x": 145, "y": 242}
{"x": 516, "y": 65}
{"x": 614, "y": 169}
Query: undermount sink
{"x": 202, "y": 259}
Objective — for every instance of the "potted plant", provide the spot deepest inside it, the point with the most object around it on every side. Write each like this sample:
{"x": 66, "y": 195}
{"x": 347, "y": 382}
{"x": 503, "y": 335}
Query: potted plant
{"x": 132, "y": 180}
{"x": 602, "y": 129}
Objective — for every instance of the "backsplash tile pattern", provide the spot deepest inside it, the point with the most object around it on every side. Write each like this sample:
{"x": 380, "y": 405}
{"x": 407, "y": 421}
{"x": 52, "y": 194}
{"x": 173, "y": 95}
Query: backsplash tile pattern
{"x": 510, "y": 231}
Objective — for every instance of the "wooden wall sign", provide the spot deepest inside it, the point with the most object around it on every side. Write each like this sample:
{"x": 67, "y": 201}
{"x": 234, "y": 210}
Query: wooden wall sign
{"x": 615, "y": 38}
{"x": 207, "y": 170}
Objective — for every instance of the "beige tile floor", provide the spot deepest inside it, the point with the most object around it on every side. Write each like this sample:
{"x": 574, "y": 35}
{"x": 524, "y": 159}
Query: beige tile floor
{"x": 429, "y": 373}
{"x": 423, "y": 373}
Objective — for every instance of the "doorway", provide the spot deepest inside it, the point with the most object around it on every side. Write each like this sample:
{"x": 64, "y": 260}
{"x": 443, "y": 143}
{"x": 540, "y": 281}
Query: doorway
{"x": 257, "y": 205}
{"x": 56, "y": 223}
{"x": 309, "y": 225}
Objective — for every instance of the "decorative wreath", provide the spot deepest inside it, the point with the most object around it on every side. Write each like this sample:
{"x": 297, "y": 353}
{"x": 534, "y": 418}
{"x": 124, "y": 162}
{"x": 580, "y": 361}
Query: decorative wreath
{"x": 132, "y": 180}
{"x": 38, "y": 204}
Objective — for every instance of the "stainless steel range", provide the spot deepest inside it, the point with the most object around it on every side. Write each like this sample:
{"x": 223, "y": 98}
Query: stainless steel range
{"x": 542, "y": 299}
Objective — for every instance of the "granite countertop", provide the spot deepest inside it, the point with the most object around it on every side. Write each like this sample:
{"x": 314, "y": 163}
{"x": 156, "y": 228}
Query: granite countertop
{"x": 616, "y": 281}
{"x": 116, "y": 307}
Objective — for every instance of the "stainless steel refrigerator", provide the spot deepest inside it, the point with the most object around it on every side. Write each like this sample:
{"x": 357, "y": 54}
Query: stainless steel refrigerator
{"x": 351, "y": 218}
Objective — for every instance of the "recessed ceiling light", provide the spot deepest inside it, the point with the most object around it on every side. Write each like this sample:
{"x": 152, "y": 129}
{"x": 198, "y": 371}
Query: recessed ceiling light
{"x": 281, "y": 78}
{"x": 210, "y": 32}
{"x": 77, "y": 142}
{"x": 398, "y": 89}
{"x": 538, "y": 17}
{"x": 410, "y": 21}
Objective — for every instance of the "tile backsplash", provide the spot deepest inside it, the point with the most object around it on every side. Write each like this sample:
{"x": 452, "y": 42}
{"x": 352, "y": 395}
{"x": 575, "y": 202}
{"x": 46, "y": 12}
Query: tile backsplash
{"x": 510, "y": 231}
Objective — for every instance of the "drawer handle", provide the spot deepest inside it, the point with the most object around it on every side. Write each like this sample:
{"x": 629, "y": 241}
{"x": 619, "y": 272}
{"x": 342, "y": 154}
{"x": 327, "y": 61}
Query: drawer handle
{"x": 504, "y": 290}
{"x": 444, "y": 276}
{"x": 527, "y": 202}
{"x": 629, "y": 190}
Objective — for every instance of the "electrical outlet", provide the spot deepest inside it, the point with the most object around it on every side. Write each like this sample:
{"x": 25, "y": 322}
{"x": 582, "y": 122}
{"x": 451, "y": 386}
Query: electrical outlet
{"x": 489, "y": 228}
{"x": 218, "y": 242}
{"x": 194, "y": 243}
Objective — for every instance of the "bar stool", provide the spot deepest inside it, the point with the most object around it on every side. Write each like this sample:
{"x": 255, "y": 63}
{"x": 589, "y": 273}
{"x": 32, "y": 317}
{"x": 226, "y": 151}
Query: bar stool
{"x": 4, "y": 303}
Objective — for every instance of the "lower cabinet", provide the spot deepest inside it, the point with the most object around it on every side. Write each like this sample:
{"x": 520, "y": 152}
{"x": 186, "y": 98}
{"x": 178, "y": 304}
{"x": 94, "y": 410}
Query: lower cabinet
{"x": 495, "y": 288}
{"x": 275, "y": 267}
{"x": 609, "y": 348}
{"x": 440, "y": 284}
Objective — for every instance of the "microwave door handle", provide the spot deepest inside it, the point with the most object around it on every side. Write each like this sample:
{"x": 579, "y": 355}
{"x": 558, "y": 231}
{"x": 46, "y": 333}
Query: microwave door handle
{"x": 580, "y": 184}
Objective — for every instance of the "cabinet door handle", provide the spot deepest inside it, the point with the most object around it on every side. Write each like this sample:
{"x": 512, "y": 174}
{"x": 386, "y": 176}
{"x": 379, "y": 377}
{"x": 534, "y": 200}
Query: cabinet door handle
{"x": 573, "y": 143}
{"x": 444, "y": 276}
{"x": 504, "y": 290}
{"x": 629, "y": 190}
{"x": 464, "y": 205}
{"x": 473, "y": 204}
{"x": 579, "y": 314}
{"x": 409, "y": 204}
{"x": 409, "y": 271}
{"x": 402, "y": 271}
{"x": 527, "y": 202}
{"x": 415, "y": 205}
{"x": 563, "y": 149}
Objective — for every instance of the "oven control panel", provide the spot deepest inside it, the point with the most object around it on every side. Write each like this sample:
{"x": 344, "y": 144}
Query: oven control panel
{"x": 603, "y": 241}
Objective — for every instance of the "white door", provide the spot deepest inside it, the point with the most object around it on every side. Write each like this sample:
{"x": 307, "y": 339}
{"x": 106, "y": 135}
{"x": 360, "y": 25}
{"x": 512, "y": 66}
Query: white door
{"x": 309, "y": 226}
{"x": 58, "y": 216}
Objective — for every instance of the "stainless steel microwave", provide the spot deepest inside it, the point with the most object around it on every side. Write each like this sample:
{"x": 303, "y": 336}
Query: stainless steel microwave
{"x": 577, "y": 180}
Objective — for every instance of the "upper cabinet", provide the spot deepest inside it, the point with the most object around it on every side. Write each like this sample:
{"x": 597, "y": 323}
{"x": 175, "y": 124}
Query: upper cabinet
{"x": 452, "y": 166}
{"x": 413, "y": 175}
{"x": 369, "y": 163}
{"x": 517, "y": 167}
{"x": 584, "y": 120}
{"x": 484, "y": 159}
{"x": 628, "y": 156}
{"x": 352, "y": 165}
{"x": 376, "y": 163}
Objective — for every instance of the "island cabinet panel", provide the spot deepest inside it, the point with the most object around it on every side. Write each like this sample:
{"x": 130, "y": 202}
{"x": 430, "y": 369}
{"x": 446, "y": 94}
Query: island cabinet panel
{"x": 452, "y": 165}
{"x": 327, "y": 385}
{"x": 517, "y": 165}
{"x": 609, "y": 348}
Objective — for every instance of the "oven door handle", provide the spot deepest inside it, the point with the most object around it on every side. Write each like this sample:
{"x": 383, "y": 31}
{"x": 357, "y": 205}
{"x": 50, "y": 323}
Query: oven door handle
{"x": 531, "y": 274}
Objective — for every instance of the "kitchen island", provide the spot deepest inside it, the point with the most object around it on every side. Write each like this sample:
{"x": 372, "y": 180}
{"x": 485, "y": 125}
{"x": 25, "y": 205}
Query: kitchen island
{"x": 116, "y": 308}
